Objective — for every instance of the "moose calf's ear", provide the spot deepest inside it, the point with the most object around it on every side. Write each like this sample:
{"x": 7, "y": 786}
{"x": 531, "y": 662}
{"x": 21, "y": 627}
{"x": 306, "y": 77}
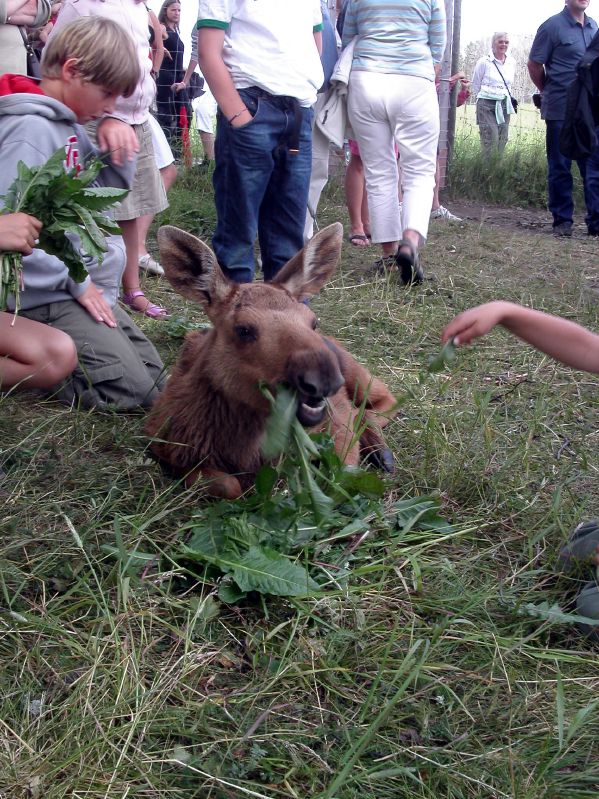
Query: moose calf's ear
{"x": 190, "y": 266}
{"x": 307, "y": 272}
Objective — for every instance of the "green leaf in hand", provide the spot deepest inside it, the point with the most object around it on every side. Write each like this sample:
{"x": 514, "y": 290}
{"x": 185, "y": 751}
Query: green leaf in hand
{"x": 444, "y": 358}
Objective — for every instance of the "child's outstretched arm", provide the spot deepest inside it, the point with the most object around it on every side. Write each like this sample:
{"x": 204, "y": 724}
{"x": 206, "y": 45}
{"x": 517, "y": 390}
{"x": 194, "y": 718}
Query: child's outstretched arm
{"x": 563, "y": 340}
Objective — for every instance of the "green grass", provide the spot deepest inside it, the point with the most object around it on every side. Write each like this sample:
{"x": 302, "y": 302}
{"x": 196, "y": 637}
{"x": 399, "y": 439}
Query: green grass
{"x": 424, "y": 677}
{"x": 518, "y": 177}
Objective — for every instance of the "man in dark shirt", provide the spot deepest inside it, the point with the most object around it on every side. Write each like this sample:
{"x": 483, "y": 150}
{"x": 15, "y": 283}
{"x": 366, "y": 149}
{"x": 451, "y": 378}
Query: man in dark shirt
{"x": 560, "y": 43}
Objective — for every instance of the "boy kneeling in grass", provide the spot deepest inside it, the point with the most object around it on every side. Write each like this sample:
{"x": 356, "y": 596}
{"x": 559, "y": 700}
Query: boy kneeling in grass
{"x": 573, "y": 346}
{"x": 85, "y": 67}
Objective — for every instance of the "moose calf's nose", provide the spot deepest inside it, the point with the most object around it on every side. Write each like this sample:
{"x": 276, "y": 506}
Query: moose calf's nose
{"x": 315, "y": 374}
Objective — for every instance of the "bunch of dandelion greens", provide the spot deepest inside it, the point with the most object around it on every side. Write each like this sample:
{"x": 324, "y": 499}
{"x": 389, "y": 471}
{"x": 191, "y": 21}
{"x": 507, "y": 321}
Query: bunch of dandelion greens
{"x": 65, "y": 203}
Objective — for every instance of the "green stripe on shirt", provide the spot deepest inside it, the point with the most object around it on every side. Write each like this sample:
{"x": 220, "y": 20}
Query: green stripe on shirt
{"x": 212, "y": 23}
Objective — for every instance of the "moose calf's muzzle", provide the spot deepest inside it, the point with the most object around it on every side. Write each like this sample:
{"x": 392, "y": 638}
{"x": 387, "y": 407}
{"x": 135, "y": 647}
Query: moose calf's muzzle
{"x": 315, "y": 375}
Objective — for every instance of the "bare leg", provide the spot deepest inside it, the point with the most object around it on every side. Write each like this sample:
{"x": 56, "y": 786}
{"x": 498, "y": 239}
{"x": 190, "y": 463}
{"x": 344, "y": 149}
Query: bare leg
{"x": 207, "y": 140}
{"x": 365, "y": 213}
{"x": 36, "y": 355}
{"x": 355, "y": 195}
{"x": 169, "y": 176}
{"x": 413, "y": 237}
{"x": 436, "y": 200}
{"x": 143, "y": 226}
{"x": 129, "y": 232}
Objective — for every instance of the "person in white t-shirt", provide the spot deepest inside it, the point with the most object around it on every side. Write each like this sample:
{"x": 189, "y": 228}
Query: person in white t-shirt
{"x": 262, "y": 64}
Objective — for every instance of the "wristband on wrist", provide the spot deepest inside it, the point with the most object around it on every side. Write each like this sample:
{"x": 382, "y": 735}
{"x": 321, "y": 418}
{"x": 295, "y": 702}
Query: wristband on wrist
{"x": 238, "y": 114}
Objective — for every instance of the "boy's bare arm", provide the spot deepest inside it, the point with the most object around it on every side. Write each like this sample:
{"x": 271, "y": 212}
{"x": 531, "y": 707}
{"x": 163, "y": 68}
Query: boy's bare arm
{"x": 318, "y": 41}
{"x": 218, "y": 77}
{"x": 563, "y": 340}
{"x": 117, "y": 138}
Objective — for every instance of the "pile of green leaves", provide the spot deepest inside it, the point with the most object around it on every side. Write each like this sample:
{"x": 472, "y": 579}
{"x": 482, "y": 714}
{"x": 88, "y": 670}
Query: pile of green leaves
{"x": 64, "y": 202}
{"x": 304, "y": 538}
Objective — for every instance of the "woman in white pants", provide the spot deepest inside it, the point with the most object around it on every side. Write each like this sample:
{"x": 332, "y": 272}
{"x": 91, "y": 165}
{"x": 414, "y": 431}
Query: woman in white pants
{"x": 392, "y": 99}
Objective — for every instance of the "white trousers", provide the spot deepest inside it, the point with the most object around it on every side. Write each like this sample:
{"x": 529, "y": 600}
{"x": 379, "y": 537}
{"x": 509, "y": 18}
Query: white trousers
{"x": 384, "y": 108}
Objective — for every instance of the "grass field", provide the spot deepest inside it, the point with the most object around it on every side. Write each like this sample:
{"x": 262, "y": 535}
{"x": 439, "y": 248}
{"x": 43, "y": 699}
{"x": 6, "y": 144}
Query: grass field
{"x": 519, "y": 177}
{"x": 434, "y": 671}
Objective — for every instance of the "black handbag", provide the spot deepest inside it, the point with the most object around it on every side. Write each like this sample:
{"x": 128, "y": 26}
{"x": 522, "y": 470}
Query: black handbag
{"x": 33, "y": 62}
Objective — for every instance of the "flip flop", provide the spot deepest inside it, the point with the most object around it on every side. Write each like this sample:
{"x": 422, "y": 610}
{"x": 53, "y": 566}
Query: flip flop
{"x": 579, "y": 549}
{"x": 151, "y": 310}
{"x": 359, "y": 240}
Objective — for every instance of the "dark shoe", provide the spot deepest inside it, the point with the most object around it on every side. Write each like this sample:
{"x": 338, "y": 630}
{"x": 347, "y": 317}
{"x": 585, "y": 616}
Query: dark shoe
{"x": 407, "y": 263}
{"x": 384, "y": 265}
{"x": 563, "y": 230}
{"x": 578, "y": 551}
{"x": 587, "y": 604}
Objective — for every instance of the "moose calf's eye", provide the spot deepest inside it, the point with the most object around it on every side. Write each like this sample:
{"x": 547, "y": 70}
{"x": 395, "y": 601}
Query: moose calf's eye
{"x": 245, "y": 333}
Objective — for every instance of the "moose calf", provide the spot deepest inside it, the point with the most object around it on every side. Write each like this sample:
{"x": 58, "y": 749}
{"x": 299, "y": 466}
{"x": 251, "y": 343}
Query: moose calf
{"x": 210, "y": 419}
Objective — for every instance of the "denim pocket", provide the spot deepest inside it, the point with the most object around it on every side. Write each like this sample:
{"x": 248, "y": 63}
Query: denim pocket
{"x": 253, "y": 106}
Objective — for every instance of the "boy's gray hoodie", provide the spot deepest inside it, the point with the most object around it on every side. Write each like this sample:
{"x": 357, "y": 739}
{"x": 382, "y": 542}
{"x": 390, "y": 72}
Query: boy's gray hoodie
{"x": 32, "y": 128}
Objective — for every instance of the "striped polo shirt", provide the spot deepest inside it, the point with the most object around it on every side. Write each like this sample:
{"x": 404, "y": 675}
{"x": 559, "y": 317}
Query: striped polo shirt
{"x": 407, "y": 37}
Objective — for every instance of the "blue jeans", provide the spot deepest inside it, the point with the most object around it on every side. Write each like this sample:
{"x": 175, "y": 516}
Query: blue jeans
{"x": 559, "y": 180}
{"x": 260, "y": 187}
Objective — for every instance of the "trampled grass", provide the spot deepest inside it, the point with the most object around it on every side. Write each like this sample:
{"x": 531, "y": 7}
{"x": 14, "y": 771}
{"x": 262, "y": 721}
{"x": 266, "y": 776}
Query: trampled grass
{"x": 429, "y": 675}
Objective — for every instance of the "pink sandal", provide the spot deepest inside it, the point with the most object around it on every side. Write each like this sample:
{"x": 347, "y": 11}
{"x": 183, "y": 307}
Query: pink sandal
{"x": 151, "y": 310}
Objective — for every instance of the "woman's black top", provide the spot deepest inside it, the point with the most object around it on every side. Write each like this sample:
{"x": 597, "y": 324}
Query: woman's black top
{"x": 172, "y": 70}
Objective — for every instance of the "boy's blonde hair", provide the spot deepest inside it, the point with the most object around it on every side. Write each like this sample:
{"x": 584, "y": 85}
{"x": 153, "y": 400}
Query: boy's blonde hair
{"x": 105, "y": 53}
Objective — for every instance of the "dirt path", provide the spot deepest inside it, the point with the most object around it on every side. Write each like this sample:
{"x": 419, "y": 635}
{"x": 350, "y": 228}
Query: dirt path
{"x": 532, "y": 220}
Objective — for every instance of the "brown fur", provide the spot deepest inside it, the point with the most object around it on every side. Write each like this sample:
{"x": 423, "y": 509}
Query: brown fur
{"x": 210, "y": 419}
